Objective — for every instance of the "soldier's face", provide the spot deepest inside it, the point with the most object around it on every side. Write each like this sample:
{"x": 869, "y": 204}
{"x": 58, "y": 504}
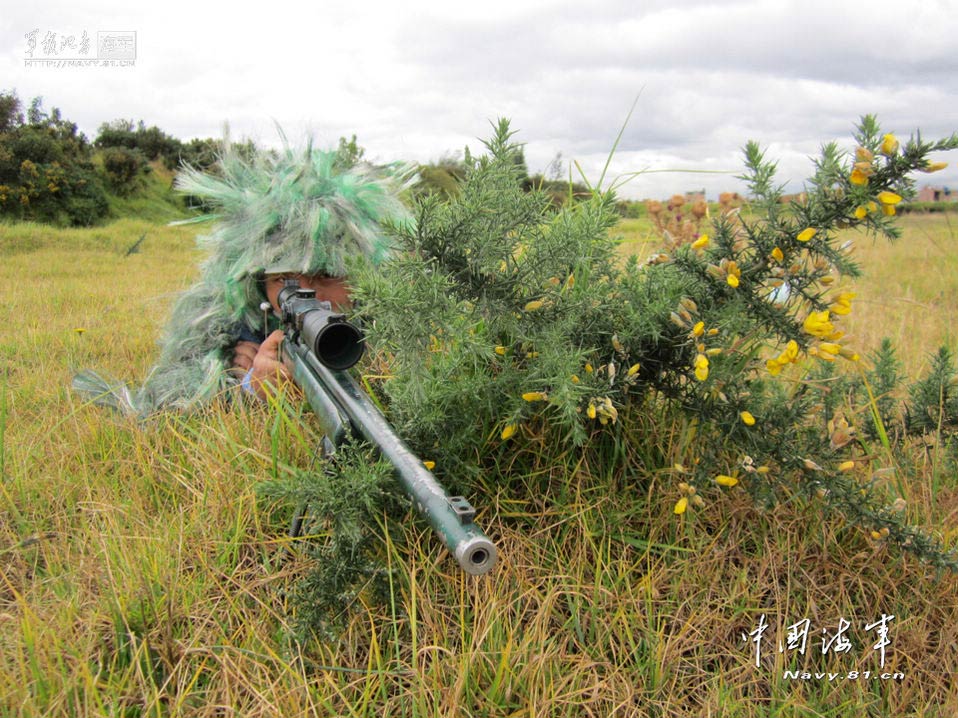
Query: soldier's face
{"x": 328, "y": 289}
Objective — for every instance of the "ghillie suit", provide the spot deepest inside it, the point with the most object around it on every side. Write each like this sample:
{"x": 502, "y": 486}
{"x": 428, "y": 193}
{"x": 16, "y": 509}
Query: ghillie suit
{"x": 296, "y": 210}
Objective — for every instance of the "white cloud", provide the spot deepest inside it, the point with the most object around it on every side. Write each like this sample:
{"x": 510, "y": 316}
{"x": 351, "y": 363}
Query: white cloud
{"x": 420, "y": 79}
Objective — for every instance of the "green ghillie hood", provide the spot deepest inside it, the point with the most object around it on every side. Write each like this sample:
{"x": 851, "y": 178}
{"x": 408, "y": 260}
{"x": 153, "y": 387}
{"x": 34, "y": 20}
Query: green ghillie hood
{"x": 292, "y": 210}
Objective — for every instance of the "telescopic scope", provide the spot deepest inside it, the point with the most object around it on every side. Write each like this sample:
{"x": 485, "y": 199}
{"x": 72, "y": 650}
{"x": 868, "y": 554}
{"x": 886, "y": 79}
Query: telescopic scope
{"x": 336, "y": 342}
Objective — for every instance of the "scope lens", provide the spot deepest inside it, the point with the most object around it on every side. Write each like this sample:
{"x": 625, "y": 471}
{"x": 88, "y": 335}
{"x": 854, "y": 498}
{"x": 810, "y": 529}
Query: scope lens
{"x": 337, "y": 344}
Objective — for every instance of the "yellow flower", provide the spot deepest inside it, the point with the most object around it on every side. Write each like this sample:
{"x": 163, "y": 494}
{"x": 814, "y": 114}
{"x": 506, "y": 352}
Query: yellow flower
{"x": 588, "y": 368}
{"x": 842, "y": 304}
{"x": 889, "y": 210}
{"x": 747, "y": 418}
{"x": 701, "y": 367}
{"x": 733, "y": 274}
{"x": 818, "y": 325}
{"x": 791, "y": 350}
{"x": 79, "y": 330}
{"x": 509, "y": 431}
{"x": 829, "y": 348}
{"x": 575, "y": 379}
{"x": 930, "y": 167}
{"x": 778, "y": 255}
{"x": 533, "y": 305}
{"x": 591, "y": 410}
{"x": 701, "y": 242}
{"x": 806, "y": 234}
{"x": 858, "y": 177}
{"x": 889, "y": 198}
{"x": 680, "y": 506}
{"x": 535, "y": 396}
{"x": 889, "y": 145}
{"x": 606, "y": 411}
{"x": 817, "y": 352}
{"x": 429, "y": 464}
{"x": 500, "y": 350}
{"x": 861, "y": 212}
{"x": 699, "y": 329}
{"x": 723, "y": 480}
{"x": 774, "y": 367}
{"x": 633, "y": 369}
{"x": 846, "y": 466}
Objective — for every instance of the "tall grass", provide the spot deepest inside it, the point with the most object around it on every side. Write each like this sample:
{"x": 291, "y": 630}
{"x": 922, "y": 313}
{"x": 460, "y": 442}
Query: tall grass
{"x": 140, "y": 574}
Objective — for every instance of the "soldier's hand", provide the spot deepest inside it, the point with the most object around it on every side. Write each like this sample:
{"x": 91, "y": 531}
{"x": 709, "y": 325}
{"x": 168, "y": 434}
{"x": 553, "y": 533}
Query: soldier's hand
{"x": 269, "y": 373}
{"x": 243, "y": 355}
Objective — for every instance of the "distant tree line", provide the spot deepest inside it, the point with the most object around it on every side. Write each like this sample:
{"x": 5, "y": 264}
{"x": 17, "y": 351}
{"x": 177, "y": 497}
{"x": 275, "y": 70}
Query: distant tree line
{"x": 50, "y": 172}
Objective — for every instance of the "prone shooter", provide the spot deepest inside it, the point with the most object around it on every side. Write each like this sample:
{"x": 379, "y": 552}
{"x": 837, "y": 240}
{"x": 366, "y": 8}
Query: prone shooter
{"x": 282, "y": 215}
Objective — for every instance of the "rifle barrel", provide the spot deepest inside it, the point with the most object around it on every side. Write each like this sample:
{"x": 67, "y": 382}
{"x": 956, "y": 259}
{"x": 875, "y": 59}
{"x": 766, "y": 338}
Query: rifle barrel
{"x": 339, "y": 399}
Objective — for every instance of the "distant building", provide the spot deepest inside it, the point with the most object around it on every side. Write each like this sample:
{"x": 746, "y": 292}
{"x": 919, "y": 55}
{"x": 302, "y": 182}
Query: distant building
{"x": 937, "y": 194}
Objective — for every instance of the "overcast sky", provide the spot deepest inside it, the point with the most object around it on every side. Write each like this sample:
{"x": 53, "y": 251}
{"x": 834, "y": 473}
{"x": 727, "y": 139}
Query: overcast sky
{"x": 417, "y": 80}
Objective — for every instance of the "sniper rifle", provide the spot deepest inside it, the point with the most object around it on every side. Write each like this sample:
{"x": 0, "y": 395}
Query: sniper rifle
{"x": 320, "y": 345}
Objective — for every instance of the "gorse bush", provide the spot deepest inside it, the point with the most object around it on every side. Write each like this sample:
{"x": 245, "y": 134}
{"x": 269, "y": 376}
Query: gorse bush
{"x": 505, "y": 318}
{"x": 515, "y": 336}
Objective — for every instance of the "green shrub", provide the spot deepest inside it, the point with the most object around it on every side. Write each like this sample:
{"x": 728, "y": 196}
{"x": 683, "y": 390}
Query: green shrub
{"x": 152, "y": 142}
{"x": 933, "y": 401}
{"x": 46, "y": 168}
{"x": 124, "y": 169}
